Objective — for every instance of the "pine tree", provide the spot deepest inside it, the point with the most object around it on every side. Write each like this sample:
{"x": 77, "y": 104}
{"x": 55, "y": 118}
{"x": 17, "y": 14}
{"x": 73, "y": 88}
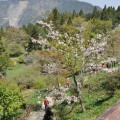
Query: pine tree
{"x": 1, "y": 46}
{"x": 81, "y": 13}
{"x": 104, "y": 14}
{"x": 55, "y": 14}
{"x": 69, "y": 22}
{"x": 35, "y": 32}
{"x": 94, "y": 13}
{"x": 29, "y": 28}
{"x": 4, "y": 58}
{"x": 62, "y": 20}
{"x": 25, "y": 27}
{"x": 88, "y": 16}
{"x": 74, "y": 14}
{"x": 1, "y": 30}
{"x": 118, "y": 9}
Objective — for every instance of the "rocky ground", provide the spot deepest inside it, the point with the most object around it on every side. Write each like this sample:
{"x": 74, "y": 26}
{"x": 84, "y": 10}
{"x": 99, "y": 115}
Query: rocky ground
{"x": 36, "y": 115}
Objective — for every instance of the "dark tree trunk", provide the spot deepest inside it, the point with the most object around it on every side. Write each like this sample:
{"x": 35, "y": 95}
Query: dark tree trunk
{"x": 57, "y": 81}
{"x": 79, "y": 93}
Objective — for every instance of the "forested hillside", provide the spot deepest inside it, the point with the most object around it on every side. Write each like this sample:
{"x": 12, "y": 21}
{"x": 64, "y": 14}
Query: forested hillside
{"x": 37, "y": 59}
{"x": 19, "y": 12}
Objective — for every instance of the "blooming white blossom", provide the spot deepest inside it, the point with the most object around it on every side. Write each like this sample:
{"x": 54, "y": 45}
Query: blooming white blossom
{"x": 95, "y": 49}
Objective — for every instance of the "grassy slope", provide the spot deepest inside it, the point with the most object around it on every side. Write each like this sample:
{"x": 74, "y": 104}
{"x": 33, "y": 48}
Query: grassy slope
{"x": 22, "y": 71}
{"x": 95, "y": 98}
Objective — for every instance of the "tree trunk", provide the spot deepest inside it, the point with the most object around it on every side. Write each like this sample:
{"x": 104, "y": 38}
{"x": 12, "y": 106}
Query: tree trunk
{"x": 79, "y": 93}
{"x": 81, "y": 102}
{"x": 57, "y": 81}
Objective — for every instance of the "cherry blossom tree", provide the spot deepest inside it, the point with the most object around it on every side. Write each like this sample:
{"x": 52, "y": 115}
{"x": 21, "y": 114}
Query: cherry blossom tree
{"x": 70, "y": 48}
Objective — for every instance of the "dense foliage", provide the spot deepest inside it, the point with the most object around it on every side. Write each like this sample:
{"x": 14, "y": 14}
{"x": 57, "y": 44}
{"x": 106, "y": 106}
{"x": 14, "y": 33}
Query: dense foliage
{"x": 4, "y": 58}
{"x": 10, "y": 100}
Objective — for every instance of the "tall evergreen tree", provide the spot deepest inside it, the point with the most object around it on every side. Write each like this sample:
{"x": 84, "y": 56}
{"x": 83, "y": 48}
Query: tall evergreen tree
{"x": 25, "y": 27}
{"x": 1, "y": 46}
{"x": 118, "y": 16}
{"x": 104, "y": 14}
{"x": 94, "y": 13}
{"x": 81, "y": 13}
{"x": 74, "y": 14}
{"x": 1, "y": 30}
{"x": 88, "y": 16}
{"x": 118, "y": 9}
{"x": 69, "y": 22}
{"x": 4, "y": 58}
{"x": 62, "y": 20}
{"x": 35, "y": 32}
{"x": 29, "y": 28}
{"x": 55, "y": 14}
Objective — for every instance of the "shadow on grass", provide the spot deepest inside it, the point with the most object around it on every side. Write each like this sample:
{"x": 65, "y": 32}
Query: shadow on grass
{"x": 99, "y": 102}
{"x": 63, "y": 111}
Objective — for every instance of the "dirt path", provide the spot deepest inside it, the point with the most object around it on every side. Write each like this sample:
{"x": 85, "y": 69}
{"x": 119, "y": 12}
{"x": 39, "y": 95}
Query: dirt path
{"x": 112, "y": 114}
{"x": 36, "y": 115}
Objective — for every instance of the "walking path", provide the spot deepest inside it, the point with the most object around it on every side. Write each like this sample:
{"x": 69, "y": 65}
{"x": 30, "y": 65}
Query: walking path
{"x": 36, "y": 115}
{"x": 39, "y": 115}
{"x": 112, "y": 114}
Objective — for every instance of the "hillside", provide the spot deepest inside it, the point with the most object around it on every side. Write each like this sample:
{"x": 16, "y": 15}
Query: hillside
{"x": 19, "y": 12}
{"x": 67, "y": 64}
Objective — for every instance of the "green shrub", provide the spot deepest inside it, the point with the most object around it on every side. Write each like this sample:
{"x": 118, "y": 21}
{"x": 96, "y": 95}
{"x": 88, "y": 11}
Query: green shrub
{"x": 61, "y": 80}
{"x": 21, "y": 59}
{"x": 92, "y": 35}
{"x": 23, "y": 75}
{"x": 15, "y": 50}
{"x": 54, "y": 80}
{"x": 10, "y": 100}
{"x": 39, "y": 83}
{"x": 111, "y": 83}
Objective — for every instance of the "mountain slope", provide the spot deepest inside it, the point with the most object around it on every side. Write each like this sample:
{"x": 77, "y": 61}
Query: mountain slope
{"x": 19, "y": 12}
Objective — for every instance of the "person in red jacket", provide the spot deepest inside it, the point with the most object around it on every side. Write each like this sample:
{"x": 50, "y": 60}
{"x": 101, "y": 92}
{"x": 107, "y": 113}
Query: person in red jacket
{"x": 67, "y": 82}
{"x": 46, "y": 102}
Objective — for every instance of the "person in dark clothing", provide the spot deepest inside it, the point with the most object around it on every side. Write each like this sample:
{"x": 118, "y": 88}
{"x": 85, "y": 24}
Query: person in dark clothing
{"x": 48, "y": 114}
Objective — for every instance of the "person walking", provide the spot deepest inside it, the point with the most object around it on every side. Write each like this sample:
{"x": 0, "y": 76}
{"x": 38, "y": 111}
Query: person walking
{"x": 46, "y": 102}
{"x": 68, "y": 82}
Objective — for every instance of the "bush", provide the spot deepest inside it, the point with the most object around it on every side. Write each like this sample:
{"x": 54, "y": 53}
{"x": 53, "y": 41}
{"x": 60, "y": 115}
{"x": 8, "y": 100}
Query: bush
{"x": 28, "y": 60}
{"x": 23, "y": 75}
{"x": 73, "y": 91}
{"x": 21, "y": 59}
{"x": 61, "y": 80}
{"x": 54, "y": 80}
{"x": 111, "y": 83}
{"x": 15, "y": 50}
{"x": 10, "y": 100}
{"x": 39, "y": 83}
{"x": 13, "y": 63}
